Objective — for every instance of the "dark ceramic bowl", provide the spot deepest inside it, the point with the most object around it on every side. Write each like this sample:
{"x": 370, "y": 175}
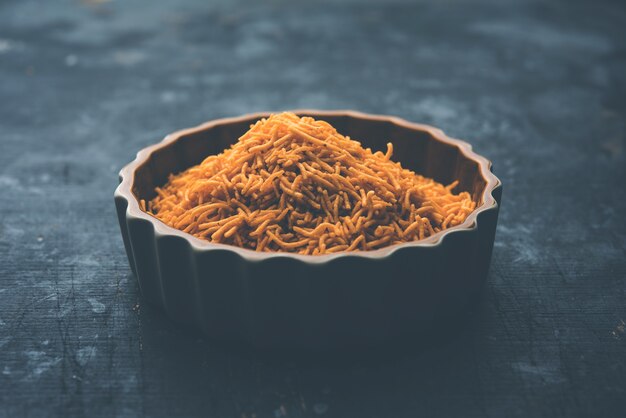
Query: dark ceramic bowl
{"x": 290, "y": 300}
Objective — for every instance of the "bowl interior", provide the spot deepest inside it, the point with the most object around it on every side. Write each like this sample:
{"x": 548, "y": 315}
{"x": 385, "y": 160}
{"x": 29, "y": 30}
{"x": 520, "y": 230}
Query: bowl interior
{"x": 414, "y": 148}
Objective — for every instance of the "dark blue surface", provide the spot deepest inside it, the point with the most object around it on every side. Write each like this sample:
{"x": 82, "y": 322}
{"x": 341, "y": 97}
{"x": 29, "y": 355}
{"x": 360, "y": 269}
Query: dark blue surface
{"x": 538, "y": 87}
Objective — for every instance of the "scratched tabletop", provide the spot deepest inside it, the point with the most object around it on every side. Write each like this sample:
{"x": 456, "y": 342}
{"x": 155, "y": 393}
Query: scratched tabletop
{"x": 537, "y": 87}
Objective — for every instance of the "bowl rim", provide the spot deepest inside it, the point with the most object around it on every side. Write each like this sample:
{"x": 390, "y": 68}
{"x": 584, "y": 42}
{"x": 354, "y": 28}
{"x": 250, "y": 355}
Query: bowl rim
{"x": 133, "y": 210}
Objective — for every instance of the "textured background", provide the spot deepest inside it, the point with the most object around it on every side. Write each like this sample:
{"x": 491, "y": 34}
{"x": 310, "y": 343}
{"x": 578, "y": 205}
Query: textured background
{"x": 538, "y": 87}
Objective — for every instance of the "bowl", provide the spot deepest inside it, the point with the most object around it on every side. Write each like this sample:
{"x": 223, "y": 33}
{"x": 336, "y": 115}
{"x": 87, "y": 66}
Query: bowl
{"x": 288, "y": 300}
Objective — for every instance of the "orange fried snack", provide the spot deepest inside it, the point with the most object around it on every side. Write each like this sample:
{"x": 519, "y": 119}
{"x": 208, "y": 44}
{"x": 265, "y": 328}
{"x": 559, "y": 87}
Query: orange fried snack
{"x": 295, "y": 184}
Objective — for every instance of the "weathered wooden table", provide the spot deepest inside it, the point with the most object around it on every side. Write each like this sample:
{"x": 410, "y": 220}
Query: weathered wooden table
{"x": 538, "y": 87}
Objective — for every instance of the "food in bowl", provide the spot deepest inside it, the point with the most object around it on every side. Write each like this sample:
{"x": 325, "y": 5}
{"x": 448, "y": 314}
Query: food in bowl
{"x": 295, "y": 184}
{"x": 288, "y": 300}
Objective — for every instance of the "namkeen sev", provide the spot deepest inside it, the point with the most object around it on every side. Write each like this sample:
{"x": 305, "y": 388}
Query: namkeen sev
{"x": 295, "y": 184}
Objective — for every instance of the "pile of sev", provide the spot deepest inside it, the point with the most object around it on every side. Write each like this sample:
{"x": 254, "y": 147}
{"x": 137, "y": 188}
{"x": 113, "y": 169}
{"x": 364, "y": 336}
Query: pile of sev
{"x": 295, "y": 184}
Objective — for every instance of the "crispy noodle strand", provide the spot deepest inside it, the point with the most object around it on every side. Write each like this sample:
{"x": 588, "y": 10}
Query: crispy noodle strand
{"x": 295, "y": 184}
